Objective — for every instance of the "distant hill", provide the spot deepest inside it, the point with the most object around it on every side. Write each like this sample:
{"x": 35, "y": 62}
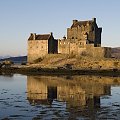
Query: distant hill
{"x": 18, "y": 59}
{"x": 2, "y": 57}
{"x": 116, "y": 52}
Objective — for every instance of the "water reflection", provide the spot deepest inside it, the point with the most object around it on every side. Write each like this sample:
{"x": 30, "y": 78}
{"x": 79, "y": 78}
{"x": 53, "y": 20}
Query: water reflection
{"x": 63, "y": 97}
{"x": 82, "y": 94}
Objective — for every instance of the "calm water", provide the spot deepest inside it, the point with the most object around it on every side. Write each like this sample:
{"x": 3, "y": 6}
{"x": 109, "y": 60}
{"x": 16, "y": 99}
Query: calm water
{"x": 59, "y": 98}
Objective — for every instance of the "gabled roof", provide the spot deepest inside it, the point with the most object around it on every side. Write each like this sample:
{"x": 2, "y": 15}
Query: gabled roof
{"x": 43, "y": 37}
{"x": 39, "y": 36}
{"x": 80, "y": 23}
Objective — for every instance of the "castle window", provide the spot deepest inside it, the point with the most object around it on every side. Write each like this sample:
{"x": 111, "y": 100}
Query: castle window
{"x": 80, "y": 43}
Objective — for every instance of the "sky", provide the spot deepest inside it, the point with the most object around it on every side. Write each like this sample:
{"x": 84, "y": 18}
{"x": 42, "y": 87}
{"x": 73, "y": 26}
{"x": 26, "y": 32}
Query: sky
{"x": 19, "y": 18}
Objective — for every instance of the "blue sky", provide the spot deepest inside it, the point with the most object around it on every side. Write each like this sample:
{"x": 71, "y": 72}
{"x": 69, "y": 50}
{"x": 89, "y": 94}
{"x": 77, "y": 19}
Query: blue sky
{"x": 18, "y": 18}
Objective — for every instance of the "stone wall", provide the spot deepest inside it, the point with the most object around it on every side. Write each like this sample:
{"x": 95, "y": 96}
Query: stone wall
{"x": 83, "y": 36}
{"x": 85, "y": 30}
{"x": 98, "y": 52}
{"x": 70, "y": 47}
{"x": 36, "y": 49}
{"x": 41, "y": 45}
{"x": 64, "y": 46}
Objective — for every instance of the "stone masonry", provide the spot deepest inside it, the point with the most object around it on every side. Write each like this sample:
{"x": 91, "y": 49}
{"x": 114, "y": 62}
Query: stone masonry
{"x": 83, "y": 37}
{"x": 40, "y": 45}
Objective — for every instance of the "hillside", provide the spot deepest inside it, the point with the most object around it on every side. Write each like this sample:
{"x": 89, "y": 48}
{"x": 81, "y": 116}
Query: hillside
{"x": 77, "y": 62}
{"x": 18, "y": 59}
{"x": 116, "y": 52}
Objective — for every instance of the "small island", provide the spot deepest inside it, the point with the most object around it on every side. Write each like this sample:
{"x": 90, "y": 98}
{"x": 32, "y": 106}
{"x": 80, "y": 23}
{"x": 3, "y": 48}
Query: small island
{"x": 78, "y": 53}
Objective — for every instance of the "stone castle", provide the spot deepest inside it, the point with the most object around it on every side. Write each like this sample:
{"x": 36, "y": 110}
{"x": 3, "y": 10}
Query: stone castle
{"x": 83, "y": 37}
{"x": 41, "y": 45}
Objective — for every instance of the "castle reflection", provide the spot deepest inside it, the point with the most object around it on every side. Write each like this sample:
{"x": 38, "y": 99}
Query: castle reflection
{"x": 77, "y": 91}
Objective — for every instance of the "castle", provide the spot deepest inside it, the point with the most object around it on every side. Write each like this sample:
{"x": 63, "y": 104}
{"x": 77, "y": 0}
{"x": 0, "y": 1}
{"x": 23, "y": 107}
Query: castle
{"x": 83, "y": 37}
{"x": 40, "y": 45}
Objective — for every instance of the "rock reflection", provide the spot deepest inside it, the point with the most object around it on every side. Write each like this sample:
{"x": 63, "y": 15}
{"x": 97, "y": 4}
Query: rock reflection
{"x": 81, "y": 93}
{"x": 6, "y": 74}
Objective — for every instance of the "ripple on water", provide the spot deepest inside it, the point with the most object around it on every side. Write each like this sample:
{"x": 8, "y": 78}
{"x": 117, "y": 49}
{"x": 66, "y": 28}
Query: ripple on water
{"x": 16, "y": 105}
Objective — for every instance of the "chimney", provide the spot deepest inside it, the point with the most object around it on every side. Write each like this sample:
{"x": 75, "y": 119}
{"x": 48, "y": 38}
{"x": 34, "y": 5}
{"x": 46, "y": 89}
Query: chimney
{"x": 64, "y": 37}
{"x": 94, "y": 19}
{"x": 51, "y": 33}
{"x": 75, "y": 21}
{"x": 33, "y": 35}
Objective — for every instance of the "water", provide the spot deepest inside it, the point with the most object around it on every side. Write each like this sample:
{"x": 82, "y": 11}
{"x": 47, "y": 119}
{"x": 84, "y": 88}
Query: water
{"x": 59, "y": 98}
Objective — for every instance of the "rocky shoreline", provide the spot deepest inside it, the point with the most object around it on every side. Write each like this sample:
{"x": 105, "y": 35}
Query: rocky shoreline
{"x": 55, "y": 71}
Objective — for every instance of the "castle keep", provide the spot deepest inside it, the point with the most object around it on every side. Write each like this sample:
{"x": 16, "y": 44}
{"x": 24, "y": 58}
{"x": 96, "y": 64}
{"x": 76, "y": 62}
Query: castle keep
{"x": 79, "y": 35}
{"x": 83, "y": 37}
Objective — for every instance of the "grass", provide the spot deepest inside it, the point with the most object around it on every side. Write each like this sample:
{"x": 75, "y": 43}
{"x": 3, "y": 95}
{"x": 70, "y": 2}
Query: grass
{"x": 81, "y": 61}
